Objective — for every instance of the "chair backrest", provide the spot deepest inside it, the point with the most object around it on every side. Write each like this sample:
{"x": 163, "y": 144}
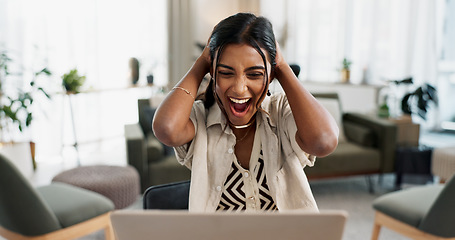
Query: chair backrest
{"x": 167, "y": 196}
{"x": 22, "y": 209}
{"x": 440, "y": 219}
{"x": 295, "y": 68}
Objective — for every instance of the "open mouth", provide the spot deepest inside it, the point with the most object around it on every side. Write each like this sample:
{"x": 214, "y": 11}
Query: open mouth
{"x": 239, "y": 107}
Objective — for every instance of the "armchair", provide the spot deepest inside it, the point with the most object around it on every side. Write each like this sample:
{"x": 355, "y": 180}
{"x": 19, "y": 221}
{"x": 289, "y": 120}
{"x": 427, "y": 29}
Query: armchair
{"x": 155, "y": 162}
{"x": 425, "y": 212}
{"x": 56, "y": 211}
{"x": 366, "y": 145}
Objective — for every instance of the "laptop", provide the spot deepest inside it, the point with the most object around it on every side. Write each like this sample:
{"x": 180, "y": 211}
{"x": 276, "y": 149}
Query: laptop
{"x": 181, "y": 224}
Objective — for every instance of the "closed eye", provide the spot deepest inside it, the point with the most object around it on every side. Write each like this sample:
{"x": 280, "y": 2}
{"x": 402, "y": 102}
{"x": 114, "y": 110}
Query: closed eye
{"x": 225, "y": 73}
{"x": 255, "y": 75}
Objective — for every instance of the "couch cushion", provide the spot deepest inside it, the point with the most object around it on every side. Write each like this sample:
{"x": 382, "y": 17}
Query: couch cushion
{"x": 359, "y": 134}
{"x": 348, "y": 158}
{"x": 146, "y": 118}
{"x": 72, "y": 204}
{"x": 168, "y": 170}
{"x": 408, "y": 206}
{"x": 333, "y": 106}
{"x": 155, "y": 151}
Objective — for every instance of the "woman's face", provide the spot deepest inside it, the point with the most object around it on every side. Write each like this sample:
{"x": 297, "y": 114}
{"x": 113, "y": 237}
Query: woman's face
{"x": 240, "y": 81}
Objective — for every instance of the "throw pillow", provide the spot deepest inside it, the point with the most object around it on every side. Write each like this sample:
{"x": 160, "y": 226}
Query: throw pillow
{"x": 147, "y": 118}
{"x": 333, "y": 106}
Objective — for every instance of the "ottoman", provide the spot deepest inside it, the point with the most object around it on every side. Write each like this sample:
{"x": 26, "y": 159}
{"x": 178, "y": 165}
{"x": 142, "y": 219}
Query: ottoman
{"x": 119, "y": 184}
{"x": 443, "y": 164}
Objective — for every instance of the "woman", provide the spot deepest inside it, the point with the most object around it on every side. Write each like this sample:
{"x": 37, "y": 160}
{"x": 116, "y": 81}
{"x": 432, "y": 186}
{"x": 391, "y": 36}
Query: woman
{"x": 246, "y": 150}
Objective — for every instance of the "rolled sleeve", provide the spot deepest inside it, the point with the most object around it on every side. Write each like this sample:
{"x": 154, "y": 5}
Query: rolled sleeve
{"x": 184, "y": 153}
{"x": 288, "y": 125}
{"x": 305, "y": 158}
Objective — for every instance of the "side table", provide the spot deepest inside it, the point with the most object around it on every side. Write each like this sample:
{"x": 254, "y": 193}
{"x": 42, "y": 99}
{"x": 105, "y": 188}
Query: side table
{"x": 408, "y": 132}
{"x": 413, "y": 160}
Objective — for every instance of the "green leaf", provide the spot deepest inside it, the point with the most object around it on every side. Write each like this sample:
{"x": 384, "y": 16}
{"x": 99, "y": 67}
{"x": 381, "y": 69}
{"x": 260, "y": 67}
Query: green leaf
{"x": 405, "y": 106}
{"x": 44, "y": 71}
{"x": 44, "y": 92}
{"x": 29, "y": 119}
{"x": 72, "y": 81}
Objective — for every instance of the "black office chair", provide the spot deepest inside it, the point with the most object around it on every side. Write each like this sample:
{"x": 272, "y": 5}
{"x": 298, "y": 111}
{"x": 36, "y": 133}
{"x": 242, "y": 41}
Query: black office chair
{"x": 296, "y": 69}
{"x": 167, "y": 196}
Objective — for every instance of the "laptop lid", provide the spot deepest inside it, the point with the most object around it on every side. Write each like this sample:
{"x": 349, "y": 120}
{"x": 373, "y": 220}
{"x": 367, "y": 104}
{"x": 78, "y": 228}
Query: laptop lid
{"x": 178, "y": 224}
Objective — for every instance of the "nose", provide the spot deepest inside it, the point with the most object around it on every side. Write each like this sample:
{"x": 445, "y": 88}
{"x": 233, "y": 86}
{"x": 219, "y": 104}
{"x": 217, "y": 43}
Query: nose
{"x": 240, "y": 85}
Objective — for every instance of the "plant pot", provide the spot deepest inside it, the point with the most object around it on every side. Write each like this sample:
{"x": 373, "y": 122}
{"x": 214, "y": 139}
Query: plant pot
{"x": 383, "y": 111}
{"x": 345, "y": 74}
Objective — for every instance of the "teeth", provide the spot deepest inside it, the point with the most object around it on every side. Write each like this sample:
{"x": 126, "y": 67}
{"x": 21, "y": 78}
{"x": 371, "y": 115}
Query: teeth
{"x": 239, "y": 101}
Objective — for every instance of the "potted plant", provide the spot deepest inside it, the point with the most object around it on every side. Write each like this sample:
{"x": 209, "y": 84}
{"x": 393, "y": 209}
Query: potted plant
{"x": 16, "y": 105}
{"x": 417, "y": 102}
{"x": 383, "y": 110}
{"x": 72, "y": 81}
{"x": 345, "y": 70}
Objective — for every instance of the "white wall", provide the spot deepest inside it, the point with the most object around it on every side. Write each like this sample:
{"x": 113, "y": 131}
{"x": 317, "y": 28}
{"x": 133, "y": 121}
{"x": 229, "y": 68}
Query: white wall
{"x": 192, "y": 22}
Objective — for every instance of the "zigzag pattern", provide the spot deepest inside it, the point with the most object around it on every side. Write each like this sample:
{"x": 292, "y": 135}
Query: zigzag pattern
{"x": 233, "y": 198}
{"x": 267, "y": 202}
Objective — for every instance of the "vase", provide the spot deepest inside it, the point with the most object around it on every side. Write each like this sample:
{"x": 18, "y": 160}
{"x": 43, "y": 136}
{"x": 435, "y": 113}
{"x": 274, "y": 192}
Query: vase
{"x": 134, "y": 70}
{"x": 150, "y": 79}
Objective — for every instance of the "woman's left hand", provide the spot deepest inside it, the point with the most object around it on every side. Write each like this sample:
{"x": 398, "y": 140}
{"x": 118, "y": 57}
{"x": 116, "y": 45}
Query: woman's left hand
{"x": 317, "y": 134}
{"x": 280, "y": 62}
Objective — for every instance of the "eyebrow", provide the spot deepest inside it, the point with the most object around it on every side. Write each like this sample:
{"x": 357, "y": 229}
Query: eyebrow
{"x": 250, "y": 68}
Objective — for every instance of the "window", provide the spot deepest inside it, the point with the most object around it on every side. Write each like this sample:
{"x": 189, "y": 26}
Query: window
{"x": 98, "y": 38}
{"x": 384, "y": 39}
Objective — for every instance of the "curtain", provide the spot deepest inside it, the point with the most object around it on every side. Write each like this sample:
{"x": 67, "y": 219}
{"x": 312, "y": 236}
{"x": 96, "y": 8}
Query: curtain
{"x": 385, "y": 40}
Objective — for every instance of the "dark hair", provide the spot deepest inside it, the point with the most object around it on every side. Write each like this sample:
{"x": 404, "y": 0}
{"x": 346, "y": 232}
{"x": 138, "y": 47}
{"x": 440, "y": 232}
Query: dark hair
{"x": 240, "y": 28}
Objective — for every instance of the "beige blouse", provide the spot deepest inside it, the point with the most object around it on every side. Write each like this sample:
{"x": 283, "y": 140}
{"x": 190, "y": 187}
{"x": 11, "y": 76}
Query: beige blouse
{"x": 211, "y": 153}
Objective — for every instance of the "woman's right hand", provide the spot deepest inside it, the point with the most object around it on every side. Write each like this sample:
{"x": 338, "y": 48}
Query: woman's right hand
{"x": 171, "y": 123}
{"x": 205, "y": 57}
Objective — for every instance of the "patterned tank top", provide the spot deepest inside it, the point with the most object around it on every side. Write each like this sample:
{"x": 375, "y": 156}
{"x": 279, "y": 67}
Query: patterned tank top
{"x": 247, "y": 190}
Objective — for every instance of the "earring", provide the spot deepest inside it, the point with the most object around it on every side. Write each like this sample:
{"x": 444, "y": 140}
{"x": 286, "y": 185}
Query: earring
{"x": 268, "y": 93}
